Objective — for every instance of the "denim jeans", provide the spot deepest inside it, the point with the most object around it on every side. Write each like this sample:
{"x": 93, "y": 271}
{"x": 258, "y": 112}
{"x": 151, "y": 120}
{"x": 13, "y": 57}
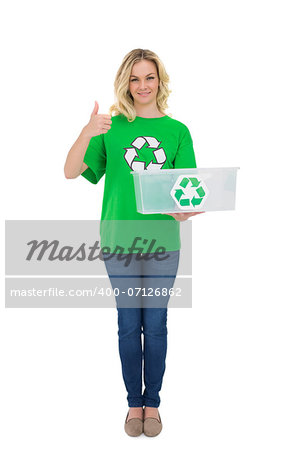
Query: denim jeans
{"x": 142, "y": 294}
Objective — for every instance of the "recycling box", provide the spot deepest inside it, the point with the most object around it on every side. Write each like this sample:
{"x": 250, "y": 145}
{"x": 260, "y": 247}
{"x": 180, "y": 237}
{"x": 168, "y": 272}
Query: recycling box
{"x": 185, "y": 190}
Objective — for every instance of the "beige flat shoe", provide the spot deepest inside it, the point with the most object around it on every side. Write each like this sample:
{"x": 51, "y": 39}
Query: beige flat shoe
{"x": 152, "y": 426}
{"x": 134, "y": 426}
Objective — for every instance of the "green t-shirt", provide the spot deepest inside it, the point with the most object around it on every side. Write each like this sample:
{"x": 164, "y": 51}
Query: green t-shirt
{"x": 146, "y": 143}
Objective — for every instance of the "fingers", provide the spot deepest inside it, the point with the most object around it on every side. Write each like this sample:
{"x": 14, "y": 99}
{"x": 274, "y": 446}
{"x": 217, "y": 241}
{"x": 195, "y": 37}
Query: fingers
{"x": 96, "y": 109}
{"x": 107, "y": 117}
{"x": 184, "y": 216}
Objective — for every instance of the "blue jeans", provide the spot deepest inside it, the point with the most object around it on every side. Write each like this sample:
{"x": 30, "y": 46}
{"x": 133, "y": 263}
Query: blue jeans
{"x": 142, "y": 295}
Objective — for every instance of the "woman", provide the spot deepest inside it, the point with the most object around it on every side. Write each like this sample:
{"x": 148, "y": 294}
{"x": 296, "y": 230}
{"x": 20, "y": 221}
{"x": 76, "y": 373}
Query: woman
{"x": 140, "y": 136}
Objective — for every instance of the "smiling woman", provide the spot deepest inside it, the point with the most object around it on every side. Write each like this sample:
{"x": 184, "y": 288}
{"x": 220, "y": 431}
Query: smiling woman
{"x": 145, "y": 86}
{"x": 141, "y": 86}
{"x": 137, "y": 134}
{"x": 144, "y": 89}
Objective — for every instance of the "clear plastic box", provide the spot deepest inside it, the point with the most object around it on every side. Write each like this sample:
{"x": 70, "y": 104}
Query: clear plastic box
{"x": 185, "y": 190}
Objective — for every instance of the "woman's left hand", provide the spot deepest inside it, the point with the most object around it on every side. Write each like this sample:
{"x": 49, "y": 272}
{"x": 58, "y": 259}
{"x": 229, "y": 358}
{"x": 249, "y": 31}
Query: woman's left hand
{"x": 183, "y": 216}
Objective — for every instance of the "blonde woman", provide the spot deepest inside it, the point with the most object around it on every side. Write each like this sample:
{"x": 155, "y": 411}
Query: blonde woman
{"x": 137, "y": 134}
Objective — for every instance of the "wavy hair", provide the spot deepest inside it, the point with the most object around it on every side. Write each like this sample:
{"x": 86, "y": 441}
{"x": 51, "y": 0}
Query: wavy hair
{"x": 123, "y": 99}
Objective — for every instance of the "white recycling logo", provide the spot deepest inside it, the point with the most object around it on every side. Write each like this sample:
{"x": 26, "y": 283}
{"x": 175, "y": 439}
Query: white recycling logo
{"x": 132, "y": 157}
{"x": 189, "y": 192}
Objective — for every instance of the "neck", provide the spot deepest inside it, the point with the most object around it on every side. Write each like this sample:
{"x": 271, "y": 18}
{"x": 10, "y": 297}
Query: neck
{"x": 148, "y": 111}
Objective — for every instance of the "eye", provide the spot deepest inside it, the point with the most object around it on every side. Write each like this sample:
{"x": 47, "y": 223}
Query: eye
{"x": 148, "y": 78}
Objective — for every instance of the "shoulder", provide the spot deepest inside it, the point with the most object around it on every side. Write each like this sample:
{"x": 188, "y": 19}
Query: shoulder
{"x": 177, "y": 122}
{"x": 182, "y": 127}
{"x": 118, "y": 118}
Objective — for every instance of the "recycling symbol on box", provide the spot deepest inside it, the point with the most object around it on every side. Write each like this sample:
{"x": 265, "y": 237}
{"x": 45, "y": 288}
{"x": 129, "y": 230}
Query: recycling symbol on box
{"x": 132, "y": 157}
{"x": 189, "y": 192}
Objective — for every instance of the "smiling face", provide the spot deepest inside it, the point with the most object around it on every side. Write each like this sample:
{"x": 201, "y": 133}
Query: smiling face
{"x": 144, "y": 82}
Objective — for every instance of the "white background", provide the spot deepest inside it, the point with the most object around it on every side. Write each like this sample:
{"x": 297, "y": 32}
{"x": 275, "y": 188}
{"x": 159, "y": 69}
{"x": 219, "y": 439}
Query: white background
{"x": 232, "y": 374}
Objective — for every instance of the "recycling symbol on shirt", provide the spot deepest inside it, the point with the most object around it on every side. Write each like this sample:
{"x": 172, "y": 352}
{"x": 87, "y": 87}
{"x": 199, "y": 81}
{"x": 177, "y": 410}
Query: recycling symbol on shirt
{"x": 189, "y": 192}
{"x": 132, "y": 157}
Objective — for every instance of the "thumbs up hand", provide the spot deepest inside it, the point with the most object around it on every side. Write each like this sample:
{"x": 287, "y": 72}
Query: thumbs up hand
{"x": 98, "y": 124}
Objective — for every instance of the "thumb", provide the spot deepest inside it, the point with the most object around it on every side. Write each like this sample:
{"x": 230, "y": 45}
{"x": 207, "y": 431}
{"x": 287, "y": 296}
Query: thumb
{"x": 96, "y": 108}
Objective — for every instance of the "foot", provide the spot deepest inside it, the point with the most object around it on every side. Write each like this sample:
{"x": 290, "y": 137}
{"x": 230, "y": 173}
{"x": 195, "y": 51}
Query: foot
{"x": 135, "y": 413}
{"x": 152, "y": 422}
{"x": 150, "y": 412}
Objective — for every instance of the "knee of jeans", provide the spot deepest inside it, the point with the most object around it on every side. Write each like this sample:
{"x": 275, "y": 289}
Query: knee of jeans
{"x": 155, "y": 330}
{"x": 128, "y": 332}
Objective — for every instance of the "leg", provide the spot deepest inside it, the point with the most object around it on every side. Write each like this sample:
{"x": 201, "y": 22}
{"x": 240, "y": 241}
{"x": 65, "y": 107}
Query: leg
{"x": 124, "y": 279}
{"x": 130, "y": 350}
{"x": 160, "y": 275}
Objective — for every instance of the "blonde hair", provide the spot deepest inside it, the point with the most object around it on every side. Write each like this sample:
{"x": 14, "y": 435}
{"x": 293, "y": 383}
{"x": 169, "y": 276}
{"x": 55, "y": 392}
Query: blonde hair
{"x": 123, "y": 99}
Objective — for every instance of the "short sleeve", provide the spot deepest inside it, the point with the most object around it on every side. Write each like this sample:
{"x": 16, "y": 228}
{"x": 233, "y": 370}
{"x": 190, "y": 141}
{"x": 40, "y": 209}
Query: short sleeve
{"x": 185, "y": 155}
{"x": 95, "y": 159}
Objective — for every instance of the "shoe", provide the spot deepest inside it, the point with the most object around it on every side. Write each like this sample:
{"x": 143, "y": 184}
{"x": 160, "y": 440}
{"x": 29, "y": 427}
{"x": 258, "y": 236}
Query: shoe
{"x": 134, "y": 426}
{"x": 152, "y": 426}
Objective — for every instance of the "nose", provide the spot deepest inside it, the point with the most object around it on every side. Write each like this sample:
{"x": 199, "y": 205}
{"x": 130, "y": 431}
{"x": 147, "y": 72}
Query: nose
{"x": 142, "y": 85}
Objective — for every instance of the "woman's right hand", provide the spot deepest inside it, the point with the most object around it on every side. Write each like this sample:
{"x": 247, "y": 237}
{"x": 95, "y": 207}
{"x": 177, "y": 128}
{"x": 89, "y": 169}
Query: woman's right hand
{"x": 98, "y": 124}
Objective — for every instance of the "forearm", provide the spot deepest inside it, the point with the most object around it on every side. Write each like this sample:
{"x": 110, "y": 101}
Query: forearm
{"x": 76, "y": 154}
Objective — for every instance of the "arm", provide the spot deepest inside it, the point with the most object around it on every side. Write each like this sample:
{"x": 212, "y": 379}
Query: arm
{"x": 84, "y": 167}
{"x": 99, "y": 124}
{"x": 74, "y": 164}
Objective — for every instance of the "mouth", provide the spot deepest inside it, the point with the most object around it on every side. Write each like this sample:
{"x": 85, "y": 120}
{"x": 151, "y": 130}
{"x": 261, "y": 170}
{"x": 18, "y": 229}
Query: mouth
{"x": 144, "y": 94}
